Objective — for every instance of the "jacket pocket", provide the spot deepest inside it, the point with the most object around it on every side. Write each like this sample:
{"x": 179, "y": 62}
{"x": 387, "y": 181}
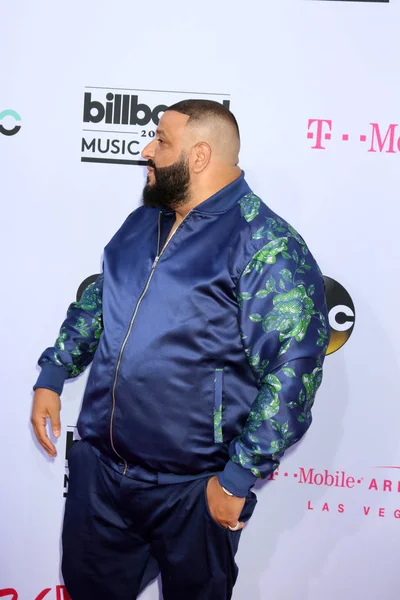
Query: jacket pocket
{"x": 218, "y": 387}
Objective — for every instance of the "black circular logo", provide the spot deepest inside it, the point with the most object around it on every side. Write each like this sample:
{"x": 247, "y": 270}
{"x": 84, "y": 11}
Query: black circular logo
{"x": 84, "y": 284}
{"x": 342, "y": 314}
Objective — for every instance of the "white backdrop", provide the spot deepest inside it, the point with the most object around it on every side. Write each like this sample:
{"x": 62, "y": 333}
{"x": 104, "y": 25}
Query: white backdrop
{"x": 280, "y": 63}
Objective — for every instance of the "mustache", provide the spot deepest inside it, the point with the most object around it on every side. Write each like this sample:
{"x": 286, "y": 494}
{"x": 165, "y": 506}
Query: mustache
{"x": 151, "y": 164}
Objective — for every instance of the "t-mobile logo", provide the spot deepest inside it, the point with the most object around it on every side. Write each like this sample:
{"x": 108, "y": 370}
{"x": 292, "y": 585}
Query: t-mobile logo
{"x": 384, "y": 139}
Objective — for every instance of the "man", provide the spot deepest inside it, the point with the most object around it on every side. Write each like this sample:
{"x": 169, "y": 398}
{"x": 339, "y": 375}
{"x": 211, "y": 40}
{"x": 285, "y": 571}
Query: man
{"x": 207, "y": 330}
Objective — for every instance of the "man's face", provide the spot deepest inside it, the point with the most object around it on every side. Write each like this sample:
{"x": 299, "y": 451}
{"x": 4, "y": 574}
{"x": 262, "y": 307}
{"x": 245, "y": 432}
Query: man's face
{"x": 168, "y": 180}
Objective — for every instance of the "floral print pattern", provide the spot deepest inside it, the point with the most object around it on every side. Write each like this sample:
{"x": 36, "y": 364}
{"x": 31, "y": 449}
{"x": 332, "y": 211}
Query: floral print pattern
{"x": 80, "y": 333}
{"x": 284, "y": 327}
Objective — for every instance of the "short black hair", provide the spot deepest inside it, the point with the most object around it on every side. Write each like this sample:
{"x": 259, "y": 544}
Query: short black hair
{"x": 198, "y": 110}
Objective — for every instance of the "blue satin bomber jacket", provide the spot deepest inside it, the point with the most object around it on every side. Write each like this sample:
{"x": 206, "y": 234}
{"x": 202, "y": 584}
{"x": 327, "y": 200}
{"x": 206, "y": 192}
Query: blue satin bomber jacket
{"x": 207, "y": 352}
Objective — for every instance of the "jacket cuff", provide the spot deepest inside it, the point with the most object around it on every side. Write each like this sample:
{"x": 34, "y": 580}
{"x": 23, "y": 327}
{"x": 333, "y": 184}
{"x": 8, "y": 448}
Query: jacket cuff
{"x": 52, "y": 378}
{"x": 236, "y": 479}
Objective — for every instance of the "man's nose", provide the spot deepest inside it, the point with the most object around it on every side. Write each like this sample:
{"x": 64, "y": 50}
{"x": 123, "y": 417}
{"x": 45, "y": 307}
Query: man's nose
{"x": 148, "y": 151}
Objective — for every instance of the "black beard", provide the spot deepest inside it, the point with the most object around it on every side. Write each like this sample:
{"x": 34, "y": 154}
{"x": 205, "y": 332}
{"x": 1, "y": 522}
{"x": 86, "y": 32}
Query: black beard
{"x": 171, "y": 188}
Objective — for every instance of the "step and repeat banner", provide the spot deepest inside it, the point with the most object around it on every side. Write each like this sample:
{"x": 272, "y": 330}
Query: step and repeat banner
{"x": 315, "y": 87}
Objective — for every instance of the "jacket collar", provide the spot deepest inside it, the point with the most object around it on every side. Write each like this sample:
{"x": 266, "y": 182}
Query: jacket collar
{"x": 223, "y": 200}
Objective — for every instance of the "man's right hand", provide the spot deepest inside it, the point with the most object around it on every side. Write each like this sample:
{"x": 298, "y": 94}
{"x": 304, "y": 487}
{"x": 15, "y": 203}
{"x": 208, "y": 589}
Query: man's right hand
{"x": 46, "y": 405}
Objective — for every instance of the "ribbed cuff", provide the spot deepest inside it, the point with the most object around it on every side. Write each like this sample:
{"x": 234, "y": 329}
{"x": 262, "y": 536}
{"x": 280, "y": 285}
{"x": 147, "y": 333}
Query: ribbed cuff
{"x": 52, "y": 378}
{"x": 236, "y": 479}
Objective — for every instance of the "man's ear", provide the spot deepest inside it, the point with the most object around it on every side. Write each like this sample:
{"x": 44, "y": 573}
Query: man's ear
{"x": 201, "y": 156}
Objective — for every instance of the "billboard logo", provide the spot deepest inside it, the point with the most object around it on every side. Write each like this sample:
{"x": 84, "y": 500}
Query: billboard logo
{"x": 120, "y": 109}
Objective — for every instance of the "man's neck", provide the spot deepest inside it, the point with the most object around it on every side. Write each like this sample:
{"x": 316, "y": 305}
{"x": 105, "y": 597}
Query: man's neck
{"x": 201, "y": 193}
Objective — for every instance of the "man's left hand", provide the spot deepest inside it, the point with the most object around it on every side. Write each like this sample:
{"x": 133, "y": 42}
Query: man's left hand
{"x": 223, "y": 508}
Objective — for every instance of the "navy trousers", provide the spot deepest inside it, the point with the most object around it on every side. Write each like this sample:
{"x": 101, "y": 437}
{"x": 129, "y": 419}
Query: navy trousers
{"x": 120, "y": 533}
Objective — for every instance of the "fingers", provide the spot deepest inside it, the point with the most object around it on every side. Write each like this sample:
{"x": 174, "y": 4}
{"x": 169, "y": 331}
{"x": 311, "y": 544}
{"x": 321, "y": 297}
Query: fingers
{"x": 54, "y": 414}
{"x": 39, "y": 427}
{"x": 46, "y": 404}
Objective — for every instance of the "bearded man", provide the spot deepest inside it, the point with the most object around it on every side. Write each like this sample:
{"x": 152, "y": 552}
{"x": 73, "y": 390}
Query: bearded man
{"x": 207, "y": 330}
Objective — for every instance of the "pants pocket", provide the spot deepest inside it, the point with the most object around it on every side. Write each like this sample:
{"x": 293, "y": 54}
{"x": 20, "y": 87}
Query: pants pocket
{"x": 208, "y": 513}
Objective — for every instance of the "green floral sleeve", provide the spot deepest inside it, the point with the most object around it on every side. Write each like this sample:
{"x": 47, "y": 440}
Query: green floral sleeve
{"x": 79, "y": 335}
{"x": 284, "y": 327}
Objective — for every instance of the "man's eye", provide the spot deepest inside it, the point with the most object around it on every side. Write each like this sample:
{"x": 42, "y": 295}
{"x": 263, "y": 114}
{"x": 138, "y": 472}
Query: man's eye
{"x": 160, "y": 140}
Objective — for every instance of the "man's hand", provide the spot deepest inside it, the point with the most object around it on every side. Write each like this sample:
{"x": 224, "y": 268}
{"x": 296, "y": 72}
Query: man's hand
{"x": 223, "y": 508}
{"x": 46, "y": 405}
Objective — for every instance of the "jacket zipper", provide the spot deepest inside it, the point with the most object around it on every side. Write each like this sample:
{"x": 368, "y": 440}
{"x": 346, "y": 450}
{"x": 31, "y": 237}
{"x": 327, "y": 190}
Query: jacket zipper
{"x": 142, "y": 295}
